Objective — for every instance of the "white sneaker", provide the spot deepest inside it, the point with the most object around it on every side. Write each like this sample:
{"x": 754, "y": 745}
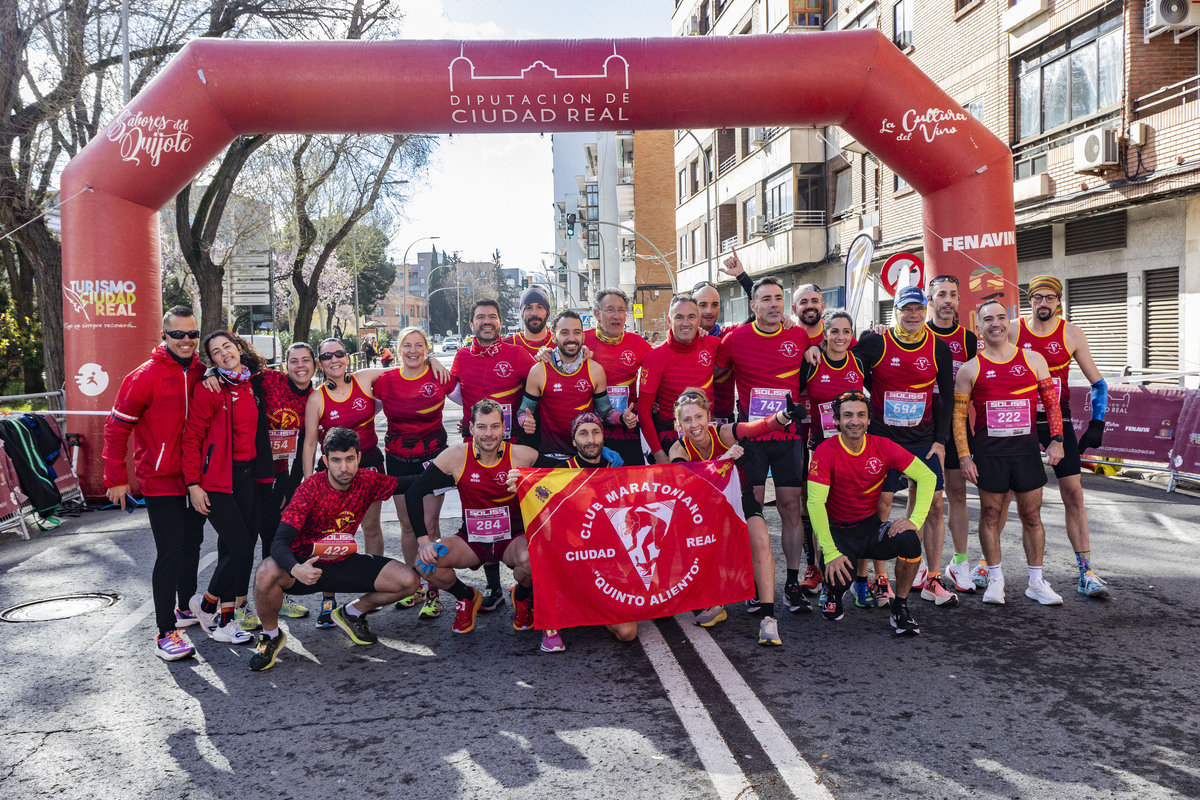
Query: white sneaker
{"x": 960, "y": 574}
{"x": 922, "y": 574}
{"x": 1042, "y": 592}
{"x": 208, "y": 622}
{"x": 995, "y": 591}
{"x": 232, "y": 633}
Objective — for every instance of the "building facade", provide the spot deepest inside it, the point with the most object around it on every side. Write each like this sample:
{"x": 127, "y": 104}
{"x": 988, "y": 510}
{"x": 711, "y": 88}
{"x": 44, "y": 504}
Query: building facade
{"x": 1100, "y": 103}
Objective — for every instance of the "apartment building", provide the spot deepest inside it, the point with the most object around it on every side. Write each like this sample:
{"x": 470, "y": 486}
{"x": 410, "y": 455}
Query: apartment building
{"x": 625, "y": 220}
{"x": 1100, "y": 103}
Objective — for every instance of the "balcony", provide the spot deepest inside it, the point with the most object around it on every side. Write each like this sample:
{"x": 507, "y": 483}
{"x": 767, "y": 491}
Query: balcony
{"x": 796, "y": 219}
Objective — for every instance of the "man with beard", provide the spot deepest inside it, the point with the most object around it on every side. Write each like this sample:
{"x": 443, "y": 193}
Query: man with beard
{"x": 535, "y": 311}
{"x": 943, "y": 323}
{"x": 496, "y": 370}
{"x": 1001, "y": 385}
{"x": 558, "y": 390}
{"x": 1059, "y": 341}
{"x": 708, "y": 300}
{"x": 621, "y": 354}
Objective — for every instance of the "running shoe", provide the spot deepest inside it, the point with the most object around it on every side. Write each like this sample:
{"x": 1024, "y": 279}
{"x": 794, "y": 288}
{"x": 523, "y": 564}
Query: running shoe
{"x": 492, "y": 599}
{"x": 416, "y": 597}
{"x": 882, "y": 590}
{"x": 1041, "y": 591}
{"x": 903, "y": 621}
{"x": 173, "y": 647}
{"x": 522, "y": 611}
{"x": 231, "y": 633}
{"x": 246, "y": 619}
{"x": 936, "y": 592}
{"x": 768, "y": 632}
{"x": 357, "y": 628}
{"x": 711, "y": 616}
{"x": 266, "y": 650}
{"x": 291, "y": 609}
{"x": 979, "y": 575}
{"x": 811, "y": 584}
{"x": 1089, "y": 584}
{"x": 794, "y": 597}
{"x": 831, "y": 607}
{"x": 862, "y": 595}
{"x": 753, "y": 606}
{"x": 432, "y": 607}
{"x": 465, "y": 611}
{"x": 960, "y": 576}
{"x": 207, "y": 622}
{"x": 922, "y": 574}
{"x": 184, "y": 618}
{"x": 552, "y": 642}
{"x": 325, "y": 618}
{"x": 995, "y": 591}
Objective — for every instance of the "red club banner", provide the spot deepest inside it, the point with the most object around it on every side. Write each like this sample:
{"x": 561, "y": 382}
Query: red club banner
{"x": 633, "y": 543}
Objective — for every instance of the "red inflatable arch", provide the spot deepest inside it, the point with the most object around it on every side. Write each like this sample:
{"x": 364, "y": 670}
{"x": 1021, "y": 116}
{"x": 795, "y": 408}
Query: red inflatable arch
{"x": 215, "y": 90}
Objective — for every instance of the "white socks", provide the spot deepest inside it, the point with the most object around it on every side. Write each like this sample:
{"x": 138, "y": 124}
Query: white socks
{"x": 1035, "y": 575}
{"x": 994, "y": 573}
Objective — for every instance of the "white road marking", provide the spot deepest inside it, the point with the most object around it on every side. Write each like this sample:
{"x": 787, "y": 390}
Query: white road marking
{"x": 1173, "y": 528}
{"x": 730, "y": 782}
{"x": 134, "y": 617}
{"x": 794, "y": 770}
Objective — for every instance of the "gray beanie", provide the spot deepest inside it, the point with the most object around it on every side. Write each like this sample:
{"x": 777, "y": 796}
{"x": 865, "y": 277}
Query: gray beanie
{"x": 535, "y": 294}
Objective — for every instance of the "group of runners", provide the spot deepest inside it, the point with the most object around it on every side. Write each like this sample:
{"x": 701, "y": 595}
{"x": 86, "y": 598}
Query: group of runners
{"x": 839, "y": 424}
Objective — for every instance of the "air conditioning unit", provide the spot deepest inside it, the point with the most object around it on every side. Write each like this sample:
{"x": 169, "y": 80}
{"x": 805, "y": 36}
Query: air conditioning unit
{"x": 693, "y": 26}
{"x": 757, "y": 137}
{"x": 1172, "y": 14}
{"x": 1096, "y": 150}
{"x": 758, "y": 226}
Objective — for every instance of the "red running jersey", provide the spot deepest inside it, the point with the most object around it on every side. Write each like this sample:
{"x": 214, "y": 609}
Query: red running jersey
{"x": 766, "y": 369}
{"x": 356, "y": 412}
{"x": 666, "y": 371}
{"x": 621, "y": 362}
{"x": 321, "y": 512}
{"x": 563, "y": 396}
{"x": 1053, "y": 348}
{"x": 285, "y": 415}
{"x": 718, "y": 447}
{"x": 498, "y": 372}
{"x": 960, "y": 348}
{"x": 487, "y": 503}
{"x": 902, "y": 384}
{"x": 1003, "y": 395}
{"x": 824, "y": 386}
{"x": 530, "y": 347}
{"x": 855, "y": 479}
{"x": 413, "y": 408}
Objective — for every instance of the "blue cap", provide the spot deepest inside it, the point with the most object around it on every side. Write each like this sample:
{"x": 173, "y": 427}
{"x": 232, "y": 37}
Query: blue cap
{"x": 910, "y": 294}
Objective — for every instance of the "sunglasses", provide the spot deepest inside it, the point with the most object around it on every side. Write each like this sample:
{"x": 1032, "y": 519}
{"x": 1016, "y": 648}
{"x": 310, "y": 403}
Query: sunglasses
{"x": 940, "y": 278}
{"x": 182, "y": 334}
{"x": 329, "y": 356}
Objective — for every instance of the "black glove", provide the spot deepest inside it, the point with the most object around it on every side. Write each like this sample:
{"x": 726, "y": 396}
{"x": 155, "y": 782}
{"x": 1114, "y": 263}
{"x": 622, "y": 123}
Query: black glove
{"x": 747, "y": 456}
{"x": 1093, "y": 436}
{"x": 792, "y": 411}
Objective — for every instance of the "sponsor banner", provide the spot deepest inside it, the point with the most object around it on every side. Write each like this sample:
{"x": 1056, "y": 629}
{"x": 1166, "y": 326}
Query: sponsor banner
{"x": 1185, "y": 454}
{"x": 1141, "y": 424}
{"x": 633, "y": 543}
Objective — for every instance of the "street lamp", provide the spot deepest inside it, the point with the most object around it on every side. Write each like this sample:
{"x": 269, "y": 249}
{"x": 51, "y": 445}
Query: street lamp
{"x": 404, "y": 292}
{"x": 708, "y": 179}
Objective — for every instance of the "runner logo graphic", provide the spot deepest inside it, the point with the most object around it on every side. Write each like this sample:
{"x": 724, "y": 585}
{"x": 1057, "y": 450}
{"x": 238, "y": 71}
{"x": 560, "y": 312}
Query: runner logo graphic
{"x": 640, "y": 529}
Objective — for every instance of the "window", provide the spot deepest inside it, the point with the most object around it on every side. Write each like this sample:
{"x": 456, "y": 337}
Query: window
{"x": 779, "y": 195}
{"x": 898, "y": 183}
{"x": 683, "y": 192}
{"x": 704, "y": 24}
{"x": 694, "y": 245}
{"x": 843, "y": 193}
{"x": 834, "y": 298}
{"x": 806, "y": 13}
{"x": 745, "y": 142}
{"x": 593, "y": 240}
{"x": 974, "y": 108}
{"x": 749, "y": 210}
{"x": 902, "y": 23}
{"x": 683, "y": 251}
{"x": 1030, "y": 166}
{"x": 866, "y": 20}
{"x": 695, "y": 177}
{"x": 1070, "y": 75}
{"x": 708, "y": 165}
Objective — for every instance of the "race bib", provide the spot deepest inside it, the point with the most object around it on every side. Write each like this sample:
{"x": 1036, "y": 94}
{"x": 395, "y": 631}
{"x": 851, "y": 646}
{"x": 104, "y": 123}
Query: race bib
{"x": 1041, "y": 409}
{"x": 765, "y": 402}
{"x": 1008, "y": 418}
{"x": 619, "y": 397}
{"x": 335, "y": 546}
{"x": 487, "y": 525}
{"x": 903, "y": 409}
{"x": 828, "y": 423}
{"x": 283, "y": 444}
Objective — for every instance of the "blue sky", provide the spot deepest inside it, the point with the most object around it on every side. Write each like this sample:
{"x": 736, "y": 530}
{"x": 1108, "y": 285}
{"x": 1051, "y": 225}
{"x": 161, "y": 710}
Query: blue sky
{"x": 503, "y": 182}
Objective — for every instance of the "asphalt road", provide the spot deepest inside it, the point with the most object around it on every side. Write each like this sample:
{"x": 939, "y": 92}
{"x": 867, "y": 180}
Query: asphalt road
{"x": 1087, "y": 700}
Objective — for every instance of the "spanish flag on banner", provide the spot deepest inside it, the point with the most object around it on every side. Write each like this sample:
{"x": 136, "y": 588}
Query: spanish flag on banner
{"x": 625, "y": 544}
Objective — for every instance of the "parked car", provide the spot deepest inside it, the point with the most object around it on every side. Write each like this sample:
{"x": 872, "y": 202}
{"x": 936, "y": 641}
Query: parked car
{"x": 266, "y": 346}
{"x": 450, "y": 344}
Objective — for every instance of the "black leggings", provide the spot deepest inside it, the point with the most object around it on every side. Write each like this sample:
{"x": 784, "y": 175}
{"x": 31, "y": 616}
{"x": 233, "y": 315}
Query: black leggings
{"x": 178, "y": 533}
{"x": 234, "y": 516}
{"x": 270, "y": 498}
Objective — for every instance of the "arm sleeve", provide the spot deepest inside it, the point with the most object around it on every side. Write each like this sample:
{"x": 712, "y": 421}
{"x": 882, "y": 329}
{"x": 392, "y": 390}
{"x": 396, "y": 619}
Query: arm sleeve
{"x": 869, "y": 348}
{"x": 926, "y": 480}
{"x": 818, "y": 493}
{"x": 807, "y": 370}
{"x": 746, "y": 283}
{"x": 605, "y": 409}
{"x": 647, "y": 394}
{"x": 1099, "y": 399}
{"x": 281, "y": 547}
{"x": 972, "y": 345}
{"x": 1050, "y": 401}
{"x": 760, "y": 427}
{"x": 529, "y": 405}
{"x": 962, "y": 403}
{"x": 945, "y": 384}
{"x": 414, "y": 498}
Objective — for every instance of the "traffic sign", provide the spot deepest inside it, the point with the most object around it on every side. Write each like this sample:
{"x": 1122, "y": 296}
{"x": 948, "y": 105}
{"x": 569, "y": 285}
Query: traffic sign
{"x": 250, "y": 273}
{"x": 246, "y": 287}
{"x": 899, "y": 271}
{"x": 253, "y": 259}
{"x": 637, "y": 310}
{"x": 251, "y": 299}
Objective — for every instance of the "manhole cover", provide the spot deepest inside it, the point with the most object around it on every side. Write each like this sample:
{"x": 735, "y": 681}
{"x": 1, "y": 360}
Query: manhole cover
{"x": 61, "y": 607}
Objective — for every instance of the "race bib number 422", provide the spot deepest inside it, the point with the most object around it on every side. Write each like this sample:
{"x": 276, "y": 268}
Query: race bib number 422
{"x": 335, "y": 546}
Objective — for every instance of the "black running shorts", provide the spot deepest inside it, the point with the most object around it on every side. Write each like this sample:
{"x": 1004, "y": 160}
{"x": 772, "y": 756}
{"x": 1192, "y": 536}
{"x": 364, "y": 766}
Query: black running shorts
{"x": 784, "y": 458}
{"x": 867, "y": 539}
{"x": 1070, "y": 464}
{"x": 354, "y": 574}
{"x": 1020, "y": 473}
